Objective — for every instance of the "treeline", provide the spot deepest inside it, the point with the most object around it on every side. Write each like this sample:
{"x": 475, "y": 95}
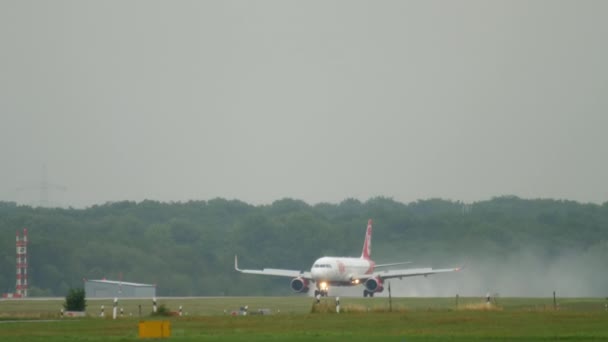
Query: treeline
{"x": 188, "y": 248}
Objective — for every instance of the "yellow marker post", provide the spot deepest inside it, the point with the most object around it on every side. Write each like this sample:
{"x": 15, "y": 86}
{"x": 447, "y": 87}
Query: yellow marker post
{"x": 154, "y": 329}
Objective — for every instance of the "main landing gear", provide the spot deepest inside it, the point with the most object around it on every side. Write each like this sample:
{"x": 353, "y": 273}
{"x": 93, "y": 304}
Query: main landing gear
{"x": 367, "y": 293}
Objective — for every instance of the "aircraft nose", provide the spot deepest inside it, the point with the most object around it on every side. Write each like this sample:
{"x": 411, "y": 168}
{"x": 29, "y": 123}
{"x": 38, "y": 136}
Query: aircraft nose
{"x": 319, "y": 273}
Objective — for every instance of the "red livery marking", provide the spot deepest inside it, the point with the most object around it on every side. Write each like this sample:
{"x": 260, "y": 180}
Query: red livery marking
{"x": 341, "y": 267}
{"x": 367, "y": 244}
{"x": 370, "y": 270}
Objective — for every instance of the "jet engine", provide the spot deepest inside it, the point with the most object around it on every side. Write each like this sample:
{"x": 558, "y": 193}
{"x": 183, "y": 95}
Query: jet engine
{"x": 374, "y": 285}
{"x": 299, "y": 285}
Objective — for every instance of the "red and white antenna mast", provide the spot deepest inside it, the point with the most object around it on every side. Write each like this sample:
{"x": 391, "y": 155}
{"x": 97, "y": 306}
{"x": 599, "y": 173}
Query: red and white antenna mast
{"x": 21, "y": 244}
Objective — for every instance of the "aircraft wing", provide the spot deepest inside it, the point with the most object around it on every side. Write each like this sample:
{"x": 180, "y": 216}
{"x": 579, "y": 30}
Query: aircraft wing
{"x": 394, "y": 264}
{"x": 274, "y": 271}
{"x": 412, "y": 272}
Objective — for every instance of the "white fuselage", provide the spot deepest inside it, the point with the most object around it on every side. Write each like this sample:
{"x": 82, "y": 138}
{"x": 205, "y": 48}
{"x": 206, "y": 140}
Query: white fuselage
{"x": 340, "y": 270}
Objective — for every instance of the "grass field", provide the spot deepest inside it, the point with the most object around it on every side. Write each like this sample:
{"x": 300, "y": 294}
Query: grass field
{"x": 361, "y": 319}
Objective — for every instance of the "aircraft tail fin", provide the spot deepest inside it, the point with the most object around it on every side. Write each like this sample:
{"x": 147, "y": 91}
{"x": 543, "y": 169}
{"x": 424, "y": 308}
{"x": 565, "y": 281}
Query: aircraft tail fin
{"x": 367, "y": 244}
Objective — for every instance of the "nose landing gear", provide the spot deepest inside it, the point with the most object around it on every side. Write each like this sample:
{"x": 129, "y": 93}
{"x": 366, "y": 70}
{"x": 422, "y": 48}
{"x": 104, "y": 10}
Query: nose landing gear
{"x": 322, "y": 293}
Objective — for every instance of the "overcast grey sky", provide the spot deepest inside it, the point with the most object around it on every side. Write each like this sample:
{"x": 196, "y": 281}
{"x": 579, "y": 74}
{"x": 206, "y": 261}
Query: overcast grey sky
{"x": 314, "y": 100}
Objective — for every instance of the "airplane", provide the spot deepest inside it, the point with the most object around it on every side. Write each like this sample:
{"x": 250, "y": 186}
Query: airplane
{"x": 346, "y": 271}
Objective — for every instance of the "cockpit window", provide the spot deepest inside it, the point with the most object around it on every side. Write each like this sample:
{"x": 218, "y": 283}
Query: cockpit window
{"x": 321, "y": 266}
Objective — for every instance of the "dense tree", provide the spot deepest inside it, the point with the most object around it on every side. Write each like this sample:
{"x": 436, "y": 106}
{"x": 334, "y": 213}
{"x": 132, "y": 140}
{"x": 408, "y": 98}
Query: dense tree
{"x": 188, "y": 248}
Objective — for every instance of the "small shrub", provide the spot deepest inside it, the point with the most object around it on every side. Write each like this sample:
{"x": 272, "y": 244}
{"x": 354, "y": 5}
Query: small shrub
{"x": 75, "y": 300}
{"x": 162, "y": 310}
